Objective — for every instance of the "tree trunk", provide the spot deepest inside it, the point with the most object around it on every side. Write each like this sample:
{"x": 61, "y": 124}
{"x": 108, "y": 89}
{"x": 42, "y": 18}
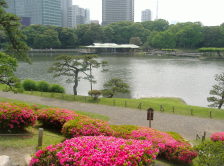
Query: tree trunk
{"x": 221, "y": 103}
{"x": 91, "y": 80}
{"x": 76, "y": 82}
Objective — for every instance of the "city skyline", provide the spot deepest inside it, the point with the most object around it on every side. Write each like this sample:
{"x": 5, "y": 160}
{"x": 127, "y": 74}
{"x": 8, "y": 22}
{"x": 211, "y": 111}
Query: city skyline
{"x": 208, "y": 12}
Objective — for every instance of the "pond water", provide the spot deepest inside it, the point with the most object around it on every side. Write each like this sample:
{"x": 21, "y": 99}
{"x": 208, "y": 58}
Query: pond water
{"x": 187, "y": 78}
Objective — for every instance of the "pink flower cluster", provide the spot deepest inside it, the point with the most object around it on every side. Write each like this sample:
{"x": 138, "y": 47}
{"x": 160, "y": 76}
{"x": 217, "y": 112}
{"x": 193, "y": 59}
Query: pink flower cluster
{"x": 219, "y": 136}
{"x": 169, "y": 148}
{"x": 86, "y": 127}
{"x": 14, "y": 117}
{"x": 97, "y": 151}
{"x": 55, "y": 117}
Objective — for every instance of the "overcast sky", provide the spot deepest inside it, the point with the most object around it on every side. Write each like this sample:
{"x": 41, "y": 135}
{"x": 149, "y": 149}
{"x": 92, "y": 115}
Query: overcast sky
{"x": 208, "y": 12}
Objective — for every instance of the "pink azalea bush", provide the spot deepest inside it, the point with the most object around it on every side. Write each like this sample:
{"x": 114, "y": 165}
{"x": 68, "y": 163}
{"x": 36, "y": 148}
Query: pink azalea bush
{"x": 170, "y": 148}
{"x": 14, "y": 117}
{"x": 97, "y": 151}
{"x": 219, "y": 136}
{"x": 55, "y": 117}
{"x": 86, "y": 127}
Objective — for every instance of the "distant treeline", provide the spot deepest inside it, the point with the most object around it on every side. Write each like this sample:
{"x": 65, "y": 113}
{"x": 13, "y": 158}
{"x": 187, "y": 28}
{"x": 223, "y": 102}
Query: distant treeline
{"x": 151, "y": 34}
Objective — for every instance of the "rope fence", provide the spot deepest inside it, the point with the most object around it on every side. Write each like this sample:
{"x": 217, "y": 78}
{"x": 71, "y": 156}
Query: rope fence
{"x": 130, "y": 104}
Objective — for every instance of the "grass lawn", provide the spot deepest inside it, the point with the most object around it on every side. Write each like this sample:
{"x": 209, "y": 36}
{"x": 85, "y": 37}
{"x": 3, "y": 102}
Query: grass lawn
{"x": 168, "y": 105}
{"x": 30, "y": 139}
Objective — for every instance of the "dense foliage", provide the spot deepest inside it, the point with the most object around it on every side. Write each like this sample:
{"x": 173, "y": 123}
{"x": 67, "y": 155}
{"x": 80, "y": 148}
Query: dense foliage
{"x": 99, "y": 151}
{"x": 156, "y": 34}
{"x": 7, "y": 68}
{"x": 217, "y": 136}
{"x": 217, "y": 92}
{"x": 29, "y": 85}
{"x": 114, "y": 86}
{"x": 86, "y": 127}
{"x": 95, "y": 94}
{"x": 42, "y": 86}
{"x": 11, "y": 40}
{"x": 15, "y": 118}
{"x": 210, "y": 153}
{"x": 170, "y": 148}
{"x": 55, "y": 118}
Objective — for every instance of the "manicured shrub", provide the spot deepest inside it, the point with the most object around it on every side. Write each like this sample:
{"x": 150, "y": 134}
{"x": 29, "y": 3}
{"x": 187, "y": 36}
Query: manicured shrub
{"x": 29, "y": 85}
{"x": 95, "y": 94}
{"x": 98, "y": 150}
{"x": 55, "y": 117}
{"x": 217, "y": 136}
{"x": 43, "y": 86}
{"x": 123, "y": 131}
{"x": 57, "y": 88}
{"x": 210, "y": 153}
{"x": 15, "y": 118}
{"x": 86, "y": 127}
{"x": 170, "y": 148}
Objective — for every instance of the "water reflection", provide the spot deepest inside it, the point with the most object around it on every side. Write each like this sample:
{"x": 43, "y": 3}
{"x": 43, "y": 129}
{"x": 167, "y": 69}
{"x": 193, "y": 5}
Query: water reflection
{"x": 189, "y": 79}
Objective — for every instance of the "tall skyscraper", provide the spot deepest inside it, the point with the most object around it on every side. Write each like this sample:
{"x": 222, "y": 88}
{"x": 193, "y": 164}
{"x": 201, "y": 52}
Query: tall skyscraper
{"x": 66, "y": 6}
{"x": 46, "y": 12}
{"x": 146, "y": 15}
{"x": 117, "y": 10}
{"x": 78, "y": 16}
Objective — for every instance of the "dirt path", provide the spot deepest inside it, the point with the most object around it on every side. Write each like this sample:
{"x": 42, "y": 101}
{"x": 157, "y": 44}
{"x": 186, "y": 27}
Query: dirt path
{"x": 187, "y": 126}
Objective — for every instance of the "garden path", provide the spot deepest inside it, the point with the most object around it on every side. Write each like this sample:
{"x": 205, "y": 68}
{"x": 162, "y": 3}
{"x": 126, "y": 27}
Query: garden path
{"x": 187, "y": 126}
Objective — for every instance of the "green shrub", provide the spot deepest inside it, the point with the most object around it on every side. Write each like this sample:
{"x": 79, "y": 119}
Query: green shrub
{"x": 85, "y": 126}
{"x": 57, "y": 88}
{"x": 15, "y": 118}
{"x": 123, "y": 131}
{"x": 95, "y": 94}
{"x": 29, "y": 85}
{"x": 210, "y": 153}
{"x": 43, "y": 86}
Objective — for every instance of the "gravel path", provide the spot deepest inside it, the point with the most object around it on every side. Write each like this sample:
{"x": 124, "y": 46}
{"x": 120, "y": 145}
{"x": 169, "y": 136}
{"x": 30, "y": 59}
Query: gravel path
{"x": 187, "y": 126}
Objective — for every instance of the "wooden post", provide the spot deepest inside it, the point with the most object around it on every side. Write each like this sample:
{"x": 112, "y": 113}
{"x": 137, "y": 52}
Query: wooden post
{"x": 161, "y": 108}
{"x": 125, "y": 103}
{"x": 52, "y": 94}
{"x": 173, "y": 109}
{"x": 191, "y": 112}
{"x": 203, "y": 137}
{"x": 140, "y": 106}
{"x": 197, "y": 137}
{"x": 40, "y": 138}
{"x": 210, "y": 114}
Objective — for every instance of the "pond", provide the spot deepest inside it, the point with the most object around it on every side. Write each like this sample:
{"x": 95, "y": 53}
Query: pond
{"x": 187, "y": 78}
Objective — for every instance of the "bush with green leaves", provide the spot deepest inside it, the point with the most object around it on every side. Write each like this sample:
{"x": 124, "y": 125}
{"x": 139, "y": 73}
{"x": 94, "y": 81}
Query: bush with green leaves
{"x": 57, "y": 88}
{"x": 84, "y": 126}
{"x": 43, "y": 86}
{"x": 210, "y": 153}
{"x": 114, "y": 86}
{"x": 95, "y": 94}
{"x": 29, "y": 85}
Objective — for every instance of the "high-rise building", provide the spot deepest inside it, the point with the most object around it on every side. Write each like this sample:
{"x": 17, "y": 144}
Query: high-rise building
{"x": 146, "y": 15}
{"x": 78, "y": 16}
{"x": 66, "y": 6}
{"x": 46, "y": 12}
{"x": 117, "y": 10}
